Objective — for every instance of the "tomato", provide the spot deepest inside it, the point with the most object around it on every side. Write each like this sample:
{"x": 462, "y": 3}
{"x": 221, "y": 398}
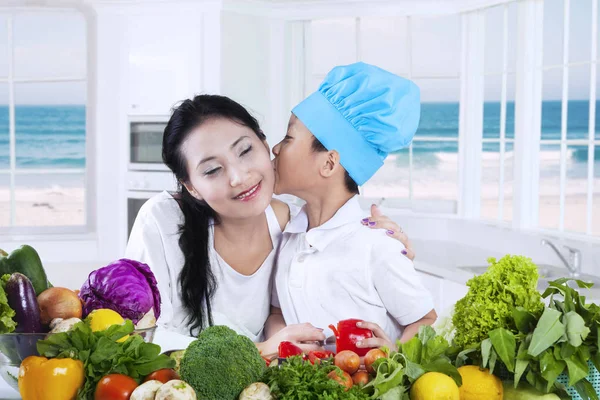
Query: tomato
{"x": 163, "y": 375}
{"x": 317, "y": 356}
{"x": 115, "y": 387}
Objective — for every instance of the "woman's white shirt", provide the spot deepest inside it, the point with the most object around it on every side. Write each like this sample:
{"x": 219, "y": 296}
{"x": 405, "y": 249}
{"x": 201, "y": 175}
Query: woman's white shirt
{"x": 240, "y": 302}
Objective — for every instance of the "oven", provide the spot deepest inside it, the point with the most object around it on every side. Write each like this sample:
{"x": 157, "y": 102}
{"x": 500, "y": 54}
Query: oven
{"x": 146, "y": 173}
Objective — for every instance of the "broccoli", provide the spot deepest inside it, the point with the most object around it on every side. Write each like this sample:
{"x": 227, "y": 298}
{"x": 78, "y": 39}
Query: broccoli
{"x": 221, "y": 363}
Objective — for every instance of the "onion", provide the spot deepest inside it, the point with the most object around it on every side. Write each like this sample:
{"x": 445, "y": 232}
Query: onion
{"x": 58, "y": 302}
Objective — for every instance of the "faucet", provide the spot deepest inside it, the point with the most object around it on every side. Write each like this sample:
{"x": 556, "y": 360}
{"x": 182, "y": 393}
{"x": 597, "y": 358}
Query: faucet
{"x": 574, "y": 262}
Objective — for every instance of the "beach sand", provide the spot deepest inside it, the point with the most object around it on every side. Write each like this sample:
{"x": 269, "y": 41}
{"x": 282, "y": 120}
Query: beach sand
{"x": 434, "y": 177}
{"x": 55, "y": 206}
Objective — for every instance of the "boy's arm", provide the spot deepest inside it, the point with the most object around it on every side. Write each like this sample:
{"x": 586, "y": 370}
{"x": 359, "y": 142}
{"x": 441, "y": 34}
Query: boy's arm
{"x": 400, "y": 288}
{"x": 412, "y": 329}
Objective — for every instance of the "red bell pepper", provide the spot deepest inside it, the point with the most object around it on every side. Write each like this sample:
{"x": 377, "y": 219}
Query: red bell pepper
{"x": 289, "y": 349}
{"x": 347, "y": 334}
{"x": 317, "y": 356}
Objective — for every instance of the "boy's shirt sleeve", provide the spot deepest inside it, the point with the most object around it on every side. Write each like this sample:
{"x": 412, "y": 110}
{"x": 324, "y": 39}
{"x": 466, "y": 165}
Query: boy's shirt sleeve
{"x": 398, "y": 283}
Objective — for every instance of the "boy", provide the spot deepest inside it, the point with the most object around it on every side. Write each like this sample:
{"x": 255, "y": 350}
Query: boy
{"x": 331, "y": 267}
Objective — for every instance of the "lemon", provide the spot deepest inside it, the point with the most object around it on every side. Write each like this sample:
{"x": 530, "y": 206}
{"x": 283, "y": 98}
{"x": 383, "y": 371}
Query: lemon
{"x": 479, "y": 384}
{"x": 103, "y": 318}
{"x": 434, "y": 386}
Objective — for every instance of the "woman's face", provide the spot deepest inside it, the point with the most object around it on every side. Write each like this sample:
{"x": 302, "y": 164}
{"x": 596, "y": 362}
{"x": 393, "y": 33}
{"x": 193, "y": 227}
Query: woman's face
{"x": 296, "y": 164}
{"x": 229, "y": 168}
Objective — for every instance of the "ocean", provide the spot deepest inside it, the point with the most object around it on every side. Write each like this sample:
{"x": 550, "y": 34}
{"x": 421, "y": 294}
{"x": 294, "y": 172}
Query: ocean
{"x": 54, "y": 136}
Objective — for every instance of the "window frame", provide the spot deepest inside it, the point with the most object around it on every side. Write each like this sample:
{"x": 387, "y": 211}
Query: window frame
{"x": 86, "y": 229}
{"x": 429, "y": 206}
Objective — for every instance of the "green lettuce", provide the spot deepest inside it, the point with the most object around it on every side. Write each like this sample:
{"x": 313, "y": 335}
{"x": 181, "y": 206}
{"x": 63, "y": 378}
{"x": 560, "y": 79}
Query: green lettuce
{"x": 7, "y": 324}
{"x": 508, "y": 283}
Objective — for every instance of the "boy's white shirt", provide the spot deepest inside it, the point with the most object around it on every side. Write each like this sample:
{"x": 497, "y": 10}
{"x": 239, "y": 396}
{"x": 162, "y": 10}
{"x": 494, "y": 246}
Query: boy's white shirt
{"x": 343, "y": 270}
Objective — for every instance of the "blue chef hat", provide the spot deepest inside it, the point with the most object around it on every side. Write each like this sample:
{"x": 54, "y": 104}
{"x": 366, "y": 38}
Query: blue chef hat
{"x": 363, "y": 112}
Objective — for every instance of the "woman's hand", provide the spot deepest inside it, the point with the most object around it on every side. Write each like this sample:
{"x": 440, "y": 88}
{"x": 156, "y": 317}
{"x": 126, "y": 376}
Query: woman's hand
{"x": 304, "y": 336}
{"x": 379, "y": 221}
{"x": 379, "y": 339}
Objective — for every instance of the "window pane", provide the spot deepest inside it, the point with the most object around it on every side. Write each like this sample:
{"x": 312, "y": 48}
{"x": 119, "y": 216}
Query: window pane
{"x": 42, "y": 50}
{"x": 384, "y": 42}
{"x": 333, "y": 43}
{"x": 436, "y": 46}
{"x": 553, "y": 31}
{"x": 596, "y": 193}
{"x": 578, "y": 114}
{"x": 580, "y": 30}
{"x": 3, "y": 46}
{"x": 597, "y": 123}
{"x": 439, "y": 108}
{"x": 549, "y": 189}
{"x": 490, "y": 182}
{"x": 4, "y": 158}
{"x": 4, "y": 200}
{"x": 50, "y": 200}
{"x": 494, "y": 25}
{"x": 512, "y": 37}
{"x": 576, "y": 189}
{"x": 551, "y": 105}
{"x": 50, "y": 134}
{"x": 494, "y": 36}
{"x": 312, "y": 85}
{"x": 392, "y": 180}
{"x": 492, "y": 109}
{"x": 435, "y": 170}
{"x": 4, "y": 126}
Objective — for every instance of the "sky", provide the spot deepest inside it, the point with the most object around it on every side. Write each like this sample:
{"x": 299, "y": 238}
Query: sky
{"x": 55, "y": 45}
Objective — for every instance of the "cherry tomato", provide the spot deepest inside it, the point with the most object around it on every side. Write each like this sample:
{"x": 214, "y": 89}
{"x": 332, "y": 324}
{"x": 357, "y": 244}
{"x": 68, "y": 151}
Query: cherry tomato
{"x": 115, "y": 387}
{"x": 317, "y": 356}
{"x": 163, "y": 375}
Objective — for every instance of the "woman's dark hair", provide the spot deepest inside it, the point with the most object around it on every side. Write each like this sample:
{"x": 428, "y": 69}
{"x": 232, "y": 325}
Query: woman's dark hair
{"x": 196, "y": 280}
{"x": 351, "y": 186}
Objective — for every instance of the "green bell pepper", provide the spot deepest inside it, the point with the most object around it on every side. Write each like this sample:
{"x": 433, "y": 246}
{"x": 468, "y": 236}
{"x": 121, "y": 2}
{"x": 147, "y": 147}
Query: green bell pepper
{"x": 26, "y": 261}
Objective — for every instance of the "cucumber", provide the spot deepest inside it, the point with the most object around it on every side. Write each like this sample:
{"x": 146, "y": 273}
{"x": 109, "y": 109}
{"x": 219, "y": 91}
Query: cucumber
{"x": 22, "y": 299}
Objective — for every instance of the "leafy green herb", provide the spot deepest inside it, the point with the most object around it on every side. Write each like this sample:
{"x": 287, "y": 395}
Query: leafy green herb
{"x": 296, "y": 379}
{"x": 102, "y": 355}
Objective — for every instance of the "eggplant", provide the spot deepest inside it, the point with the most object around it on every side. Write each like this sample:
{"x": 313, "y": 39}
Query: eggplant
{"x": 22, "y": 299}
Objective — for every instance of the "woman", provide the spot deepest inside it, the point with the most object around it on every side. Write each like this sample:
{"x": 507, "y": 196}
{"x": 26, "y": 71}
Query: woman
{"x": 211, "y": 244}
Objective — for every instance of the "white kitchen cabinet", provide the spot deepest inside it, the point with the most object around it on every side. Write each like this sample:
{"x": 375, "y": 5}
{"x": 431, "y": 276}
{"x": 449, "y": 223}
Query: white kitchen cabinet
{"x": 164, "y": 61}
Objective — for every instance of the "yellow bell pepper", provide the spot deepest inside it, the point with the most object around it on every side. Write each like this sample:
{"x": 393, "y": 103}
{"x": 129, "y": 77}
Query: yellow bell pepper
{"x": 54, "y": 379}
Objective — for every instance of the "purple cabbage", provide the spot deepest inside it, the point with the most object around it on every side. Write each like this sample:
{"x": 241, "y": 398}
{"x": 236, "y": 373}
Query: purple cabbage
{"x": 125, "y": 286}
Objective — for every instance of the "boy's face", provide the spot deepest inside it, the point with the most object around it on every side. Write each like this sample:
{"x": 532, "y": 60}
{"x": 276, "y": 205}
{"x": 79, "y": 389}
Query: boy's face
{"x": 296, "y": 164}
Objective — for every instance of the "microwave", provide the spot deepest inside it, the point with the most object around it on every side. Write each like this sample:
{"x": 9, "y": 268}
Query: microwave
{"x": 145, "y": 145}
